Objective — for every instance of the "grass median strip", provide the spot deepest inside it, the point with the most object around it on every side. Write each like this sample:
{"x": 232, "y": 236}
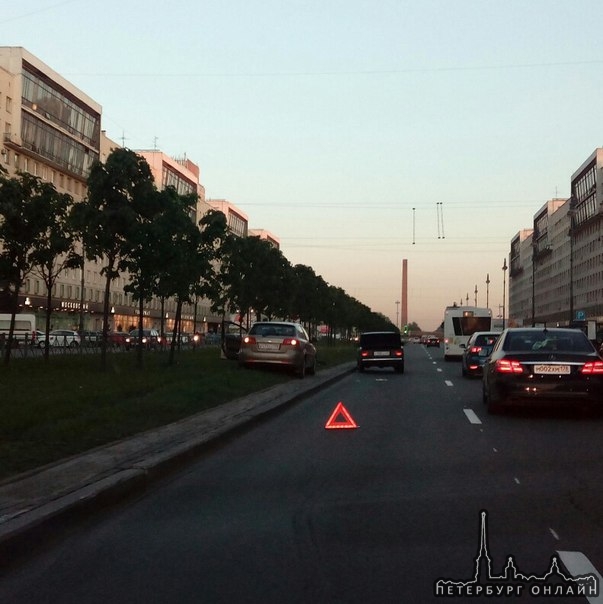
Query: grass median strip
{"x": 52, "y": 410}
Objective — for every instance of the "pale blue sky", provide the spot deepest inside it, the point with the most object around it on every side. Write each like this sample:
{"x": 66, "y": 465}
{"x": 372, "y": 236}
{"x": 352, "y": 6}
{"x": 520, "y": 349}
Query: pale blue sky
{"x": 328, "y": 121}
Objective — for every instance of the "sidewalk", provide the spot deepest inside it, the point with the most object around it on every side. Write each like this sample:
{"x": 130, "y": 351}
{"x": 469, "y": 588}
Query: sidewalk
{"x": 31, "y": 504}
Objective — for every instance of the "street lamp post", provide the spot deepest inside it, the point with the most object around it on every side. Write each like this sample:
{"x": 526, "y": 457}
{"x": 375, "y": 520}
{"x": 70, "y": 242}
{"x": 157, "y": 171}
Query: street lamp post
{"x": 487, "y": 290}
{"x": 397, "y": 313}
{"x": 533, "y": 284}
{"x": 571, "y": 213}
{"x": 504, "y": 270}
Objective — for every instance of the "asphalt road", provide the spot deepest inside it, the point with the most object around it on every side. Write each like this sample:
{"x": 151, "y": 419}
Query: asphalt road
{"x": 289, "y": 512}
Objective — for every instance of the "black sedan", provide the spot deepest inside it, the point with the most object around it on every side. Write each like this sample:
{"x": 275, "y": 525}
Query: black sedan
{"x": 543, "y": 366}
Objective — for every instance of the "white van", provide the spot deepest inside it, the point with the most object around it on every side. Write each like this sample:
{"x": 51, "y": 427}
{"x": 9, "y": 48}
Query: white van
{"x": 25, "y": 327}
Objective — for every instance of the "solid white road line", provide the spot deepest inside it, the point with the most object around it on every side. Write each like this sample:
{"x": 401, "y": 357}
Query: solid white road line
{"x": 471, "y": 416}
{"x": 578, "y": 564}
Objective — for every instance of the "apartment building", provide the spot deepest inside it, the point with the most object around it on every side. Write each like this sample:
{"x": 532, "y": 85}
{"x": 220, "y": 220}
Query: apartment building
{"x": 556, "y": 267}
{"x": 236, "y": 219}
{"x": 52, "y": 129}
{"x": 266, "y": 236}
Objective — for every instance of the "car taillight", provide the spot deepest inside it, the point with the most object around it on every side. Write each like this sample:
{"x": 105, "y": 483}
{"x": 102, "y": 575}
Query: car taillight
{"x": 592, "y": 368}
{"x": 508, "y": 366}
{"x": 290, "y": 342}
{"x": 249, "y": 340}
{"x": 475, "y": 349}
{"x": 399, "y": 353}
{"x": 364, "y": 353}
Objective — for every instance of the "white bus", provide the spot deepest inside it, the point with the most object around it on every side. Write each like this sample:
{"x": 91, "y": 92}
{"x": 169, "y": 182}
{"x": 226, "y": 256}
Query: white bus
{"x": 25, "y": 327}
{"x": 460, "y": 322}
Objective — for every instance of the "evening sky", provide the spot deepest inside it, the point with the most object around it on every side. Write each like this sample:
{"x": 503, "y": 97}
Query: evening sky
{"x": 359, "y": 132}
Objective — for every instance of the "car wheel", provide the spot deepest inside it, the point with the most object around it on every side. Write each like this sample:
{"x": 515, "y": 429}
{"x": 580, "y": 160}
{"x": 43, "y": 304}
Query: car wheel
{"x": 399, "y": 368}
{"x": 493, "y": 407}
{"x": 301, "y": 370}
{"x": 312, "y": 369}
{"x": 360, "y": 367}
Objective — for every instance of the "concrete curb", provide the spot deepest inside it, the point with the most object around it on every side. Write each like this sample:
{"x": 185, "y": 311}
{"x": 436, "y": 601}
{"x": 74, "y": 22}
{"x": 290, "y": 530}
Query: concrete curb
{"x": 42, "y": 504}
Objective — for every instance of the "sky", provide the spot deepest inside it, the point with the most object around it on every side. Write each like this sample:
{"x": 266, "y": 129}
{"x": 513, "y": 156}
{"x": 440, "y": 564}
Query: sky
{"x": 359, "y": 132}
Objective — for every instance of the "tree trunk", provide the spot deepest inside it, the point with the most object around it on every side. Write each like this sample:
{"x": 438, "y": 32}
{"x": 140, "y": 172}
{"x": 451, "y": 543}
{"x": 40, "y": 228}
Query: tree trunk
{"x": 176, "y": 331}
{"x": 106, "y": 316}
{"x": 139, "y": 342}
{"x": 47, "y": 324}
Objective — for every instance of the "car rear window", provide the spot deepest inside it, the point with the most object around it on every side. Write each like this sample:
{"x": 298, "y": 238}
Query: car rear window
{"x": 380, "y": 340}
{"x": 548, "y": 341}
{"x": 273, "y": 330}
{"x": 485, "y": 340}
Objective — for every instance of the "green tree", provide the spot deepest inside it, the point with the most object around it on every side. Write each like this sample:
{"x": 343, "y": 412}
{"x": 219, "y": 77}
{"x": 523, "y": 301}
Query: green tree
{"x": 190, "y": 254}
{"x": 147, "y": 253}
{"x": 118, "y": 193}
{"x": 54, "y": 249}
{"x": 24, "y": 219}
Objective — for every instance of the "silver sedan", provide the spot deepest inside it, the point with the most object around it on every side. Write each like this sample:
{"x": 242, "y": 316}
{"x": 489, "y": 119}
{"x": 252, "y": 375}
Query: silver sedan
{"x": 279, "y": 343}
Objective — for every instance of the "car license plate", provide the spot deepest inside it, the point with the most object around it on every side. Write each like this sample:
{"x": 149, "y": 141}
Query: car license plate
{"x": 268, "y": 346}
{"x": 381, "y": 353}
{"x": 552, "y": 369}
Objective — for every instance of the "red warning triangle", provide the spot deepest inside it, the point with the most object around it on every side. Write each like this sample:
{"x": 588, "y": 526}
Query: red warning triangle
{"x": 334, "y": 423}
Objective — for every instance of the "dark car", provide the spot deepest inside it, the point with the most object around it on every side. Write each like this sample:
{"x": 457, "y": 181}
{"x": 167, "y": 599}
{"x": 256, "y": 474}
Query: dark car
{"x": 380, "y": 349}
{"x": 542, "y": 366}
{"x": 150, "y": 339}
{"x": 432, "y": 340}
{"x": 476, "y": 352}
{"x": 117, "y": 339}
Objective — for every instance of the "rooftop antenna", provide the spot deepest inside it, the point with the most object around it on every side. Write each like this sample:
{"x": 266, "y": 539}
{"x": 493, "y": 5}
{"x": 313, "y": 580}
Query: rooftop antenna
{"x": 155, "y": 139}
{"x": 123, "y": 139}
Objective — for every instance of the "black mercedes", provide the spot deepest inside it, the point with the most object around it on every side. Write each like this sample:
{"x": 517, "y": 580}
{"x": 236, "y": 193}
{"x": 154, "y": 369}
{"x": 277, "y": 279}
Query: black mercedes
{"x": 544, "y": 366}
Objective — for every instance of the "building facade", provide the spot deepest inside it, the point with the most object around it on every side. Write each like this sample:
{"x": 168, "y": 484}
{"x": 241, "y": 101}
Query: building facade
{"x": 556, "y": 267}
{"x": 52, "y": 129}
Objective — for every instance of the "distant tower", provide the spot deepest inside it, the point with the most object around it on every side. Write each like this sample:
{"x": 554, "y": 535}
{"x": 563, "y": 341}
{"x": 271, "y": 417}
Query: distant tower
{"x": 404, "y": 311}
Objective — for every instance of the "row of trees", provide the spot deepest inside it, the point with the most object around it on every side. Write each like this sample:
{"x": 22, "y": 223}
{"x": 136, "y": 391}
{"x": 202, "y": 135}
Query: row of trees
{"x": 127, "y": 224}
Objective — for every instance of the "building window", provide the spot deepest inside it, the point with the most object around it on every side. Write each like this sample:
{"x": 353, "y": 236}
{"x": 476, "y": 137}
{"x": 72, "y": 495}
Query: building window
{"x": 9, "y": 105}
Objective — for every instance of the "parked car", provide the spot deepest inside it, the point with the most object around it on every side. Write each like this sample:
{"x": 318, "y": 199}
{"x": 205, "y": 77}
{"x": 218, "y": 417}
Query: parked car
{"x": 231, "y": 335}
{"x": 39, "y": 338}
{"x": 542, "y": 366}
{"x": 380, "y": 349}
{"x": 117, "y": 339}
{"x": 61, "y": 337}
{"x": 476, "y": 352}
{"x": 278, "y": 343}
{"x": 91, "y": 338}
{"x": 150, "y": 339}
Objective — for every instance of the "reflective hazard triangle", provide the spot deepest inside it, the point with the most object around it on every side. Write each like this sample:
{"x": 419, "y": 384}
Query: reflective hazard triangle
{"x": 333, "y": 421}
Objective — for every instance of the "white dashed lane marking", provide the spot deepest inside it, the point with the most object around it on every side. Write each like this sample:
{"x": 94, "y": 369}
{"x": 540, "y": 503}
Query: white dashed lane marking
{"x": 471, "y": 416}
{"x": 578, "y": 564}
